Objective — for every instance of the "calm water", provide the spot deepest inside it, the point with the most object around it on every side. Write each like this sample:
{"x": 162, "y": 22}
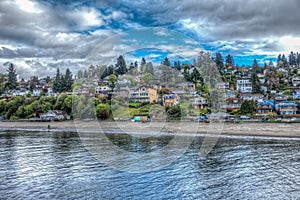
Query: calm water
{"x": 46, "y": 165}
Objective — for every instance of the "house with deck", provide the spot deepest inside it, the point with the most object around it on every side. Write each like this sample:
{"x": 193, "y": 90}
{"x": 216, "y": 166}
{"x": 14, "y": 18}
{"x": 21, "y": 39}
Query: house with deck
{"x": 265, "y": 107}
{"x": 170, "y": 100}
{"x": 233, "y": 104}
{"x": 244, "y": 86}
{"x": 143, "y": 94}
{"x": 287, "y": 109}
{"x": 200, "y": 103}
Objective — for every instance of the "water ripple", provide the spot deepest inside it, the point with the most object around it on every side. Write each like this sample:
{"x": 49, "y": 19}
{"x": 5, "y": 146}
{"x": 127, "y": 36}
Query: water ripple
{"x": 52, "y": 165}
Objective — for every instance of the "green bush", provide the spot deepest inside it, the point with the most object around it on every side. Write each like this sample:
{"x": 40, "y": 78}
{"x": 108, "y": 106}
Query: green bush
{"x": 14, "y": 118}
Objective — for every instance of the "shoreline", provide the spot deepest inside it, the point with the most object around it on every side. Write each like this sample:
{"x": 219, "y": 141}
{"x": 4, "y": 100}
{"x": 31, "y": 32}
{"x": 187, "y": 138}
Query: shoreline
{"x": 279, "y": 130}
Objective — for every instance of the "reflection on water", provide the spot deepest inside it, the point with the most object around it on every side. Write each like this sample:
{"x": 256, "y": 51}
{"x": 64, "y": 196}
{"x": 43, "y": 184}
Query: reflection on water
{"x": 46, "y": 165}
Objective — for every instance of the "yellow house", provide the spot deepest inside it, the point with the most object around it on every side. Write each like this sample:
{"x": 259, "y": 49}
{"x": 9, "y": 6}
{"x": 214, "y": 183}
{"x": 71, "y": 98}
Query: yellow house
{"x": 171, "y": 100}
{"x": 143, "y": 94}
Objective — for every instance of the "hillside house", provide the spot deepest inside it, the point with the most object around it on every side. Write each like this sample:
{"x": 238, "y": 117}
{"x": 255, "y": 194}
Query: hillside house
{"x": 170, "y": 100}
{"x": 252, "y": 97}
{"x": 244, "y": 86}
{"x": 200, "y": 103}
{"x": 102, "y": 89}
{"x": 143, "y": 94}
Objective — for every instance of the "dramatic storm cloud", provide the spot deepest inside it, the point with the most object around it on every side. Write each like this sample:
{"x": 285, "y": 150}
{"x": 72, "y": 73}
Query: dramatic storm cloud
{"x": 62, "y": 33}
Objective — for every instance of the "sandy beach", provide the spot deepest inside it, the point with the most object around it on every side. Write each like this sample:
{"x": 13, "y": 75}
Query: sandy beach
{"x": 244, "y": 128}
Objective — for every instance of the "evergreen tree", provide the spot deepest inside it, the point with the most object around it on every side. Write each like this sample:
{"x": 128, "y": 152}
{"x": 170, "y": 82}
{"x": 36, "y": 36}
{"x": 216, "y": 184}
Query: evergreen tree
{"x": 131, "y": 66}
{"x": 121, "y": 66}
{"x": 11, "y": 77}
{"x": 150, "y": 68}
{"x": 136, "y": 64}
{"x": 143, "y": 62}
{"x": 57, "y": 81}
{"x": 68, "y": 81}
{"x": 229, "y": 61}
{"x": 220, "y": 63}
{"x": 279, "y": 58}
{"x": 248, "y": 107}
{"x": 195, "y": 76}
{"x": 254, "y": 78}
{"x": 166, "y": 62}
{"x": 285, "y": 63}
{"x": 177, "y": 65}
{"x": 108, "y": 71}
{"x": 292, "y": 59}
{"x": 48, "y": 79}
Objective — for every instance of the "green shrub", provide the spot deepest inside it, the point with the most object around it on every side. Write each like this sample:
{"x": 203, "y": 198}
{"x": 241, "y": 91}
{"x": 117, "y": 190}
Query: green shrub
{"x": 14, "y": 118}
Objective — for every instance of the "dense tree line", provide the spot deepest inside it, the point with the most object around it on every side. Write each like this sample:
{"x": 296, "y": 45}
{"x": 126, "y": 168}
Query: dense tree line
{"x": 63, "y": 82}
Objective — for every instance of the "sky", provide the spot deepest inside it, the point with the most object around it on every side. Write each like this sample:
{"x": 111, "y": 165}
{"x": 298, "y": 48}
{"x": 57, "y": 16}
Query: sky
{"x": 39, "y": 36}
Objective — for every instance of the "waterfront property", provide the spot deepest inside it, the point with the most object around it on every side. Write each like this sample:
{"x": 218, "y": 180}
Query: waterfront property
{"x": 287, "y": 109}
{"x": 54, "y": 115}
{"x": 265, "y": 107}
{"x": 233, "y": 104}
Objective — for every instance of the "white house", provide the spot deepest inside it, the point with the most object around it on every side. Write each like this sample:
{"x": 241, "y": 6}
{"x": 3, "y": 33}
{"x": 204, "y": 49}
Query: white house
{"x": 252, "y": 97}
{"x": 36, "y": 92}
{"x": 244, "y": 86}
{"x": 200, "y": 102}
{"x": 54, "y": 115}
{"x": 296, "y": 81}
{"x": 102, "y": 89}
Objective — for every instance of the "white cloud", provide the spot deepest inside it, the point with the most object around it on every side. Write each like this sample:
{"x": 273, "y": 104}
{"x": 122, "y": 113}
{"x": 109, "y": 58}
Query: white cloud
{"x": 289, "y": 43}
{"x": 28, "y": 6}
{"x": 85, "y": 17}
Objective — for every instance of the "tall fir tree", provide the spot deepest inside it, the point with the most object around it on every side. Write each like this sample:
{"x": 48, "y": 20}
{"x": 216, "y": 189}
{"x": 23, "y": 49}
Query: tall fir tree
{"x": 57, "y": 81}
{"x": 220, "y": 63}
{"x": 136, "y": 64}
{"x": 229, "y": 61}
{"x": 121, "y": 66}
{"x": 68, "y": 80}
{"x": 292, "y": 59}
{"x": 285, "y": 63}
{"x": 143, "y": 62}
{"x": 166, "y": 62}
{"x": 11, "y": 77}
{"x": 254, "y": 78}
